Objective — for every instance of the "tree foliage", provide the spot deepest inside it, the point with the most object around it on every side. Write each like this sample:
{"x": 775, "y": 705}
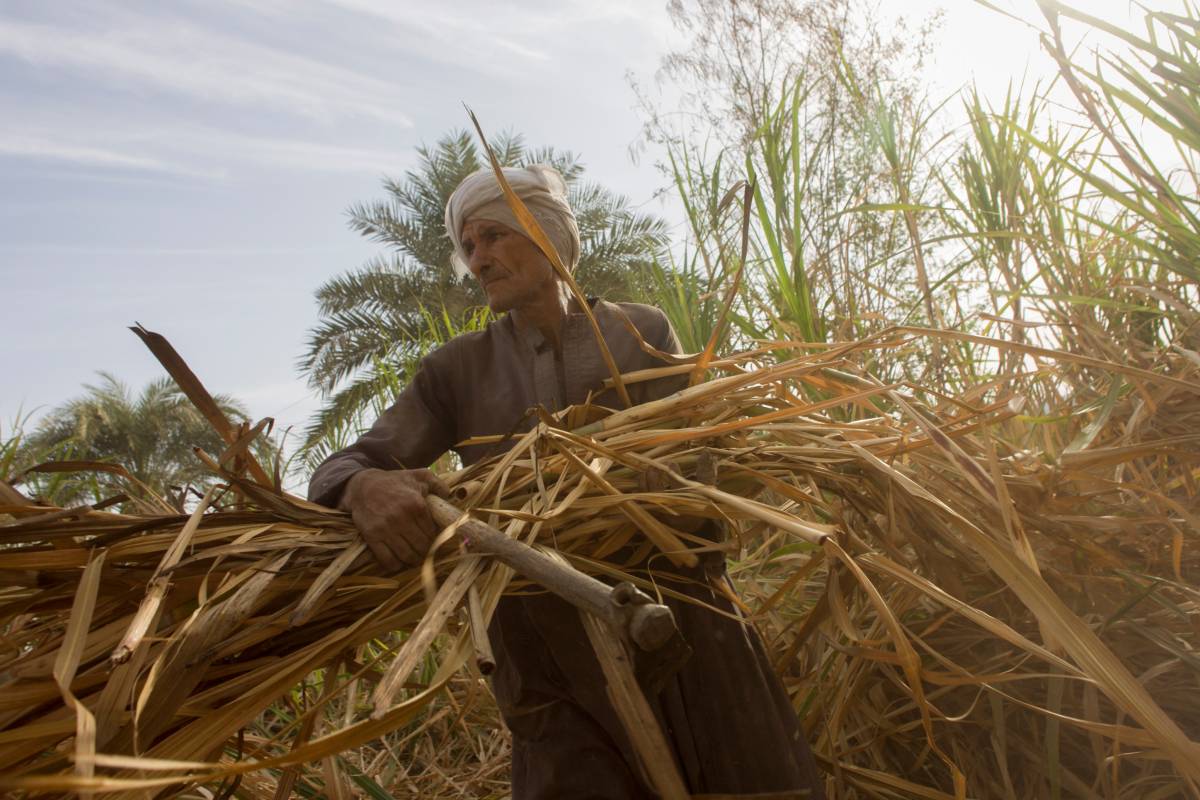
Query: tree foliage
{"x": 809, "y": 102}
{"x": 151, "y": 435}
{"x": 376, "y": 321}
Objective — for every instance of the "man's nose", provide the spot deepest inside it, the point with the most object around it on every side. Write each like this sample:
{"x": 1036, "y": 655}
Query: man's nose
{"x": 478, "y": 260}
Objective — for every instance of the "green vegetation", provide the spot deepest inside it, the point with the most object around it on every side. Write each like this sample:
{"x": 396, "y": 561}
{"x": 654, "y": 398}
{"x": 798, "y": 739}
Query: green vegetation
{"x": 146, "y": 442}
{"x": 985, "y": 385}
{"x": 377, "y": 321}
{"x": 1048, "y": 255}
{"x": 1023, "y": 256}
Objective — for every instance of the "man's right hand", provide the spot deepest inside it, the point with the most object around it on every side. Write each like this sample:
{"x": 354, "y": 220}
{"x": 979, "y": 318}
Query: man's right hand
{"x": 388, "y": 508}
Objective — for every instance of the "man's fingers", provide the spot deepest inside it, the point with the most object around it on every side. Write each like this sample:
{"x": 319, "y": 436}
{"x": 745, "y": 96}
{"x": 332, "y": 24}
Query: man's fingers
{"x": 431, "y": 483}
{"x": 427, "y": 528}
{"x": 382, "y": 550}
{"x": 439, "y": 488}
{"x": 389, "y": 510}
{"x": 388, "y": 540}
{"x": 414, "y": 525}
{"x": 406, "y": 554}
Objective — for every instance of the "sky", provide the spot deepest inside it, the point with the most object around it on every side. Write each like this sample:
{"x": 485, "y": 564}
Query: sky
{"x": 188, "y": 165}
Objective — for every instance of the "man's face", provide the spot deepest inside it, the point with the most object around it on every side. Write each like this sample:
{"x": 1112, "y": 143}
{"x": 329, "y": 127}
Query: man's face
{"x": 510, "y": 268}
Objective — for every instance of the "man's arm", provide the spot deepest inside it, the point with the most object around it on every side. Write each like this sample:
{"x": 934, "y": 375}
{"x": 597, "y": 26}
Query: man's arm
{"x": 411, "y": 434}
{"x": 381, "y": 479}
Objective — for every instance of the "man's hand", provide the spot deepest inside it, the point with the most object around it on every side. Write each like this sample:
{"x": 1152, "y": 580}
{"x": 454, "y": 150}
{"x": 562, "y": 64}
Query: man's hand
{"x": 388, "y": 508}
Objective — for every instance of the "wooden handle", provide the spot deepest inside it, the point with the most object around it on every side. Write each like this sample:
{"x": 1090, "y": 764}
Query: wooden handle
{"x": 648, "y": 624}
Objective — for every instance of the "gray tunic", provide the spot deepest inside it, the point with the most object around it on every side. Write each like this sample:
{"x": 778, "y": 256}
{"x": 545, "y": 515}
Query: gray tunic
{"x": 483, "y": 383}
{"x": 725, "y": 712}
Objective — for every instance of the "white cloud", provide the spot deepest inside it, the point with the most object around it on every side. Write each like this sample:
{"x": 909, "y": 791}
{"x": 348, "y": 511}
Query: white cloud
{"x": 292, "y": 154}
{"x": 481, "y": 38}
{"x": 88, "y": 155}
{"x": 96, "y": 250}
{"x": 195, "y": 152}
{"x": 181, "y": 57}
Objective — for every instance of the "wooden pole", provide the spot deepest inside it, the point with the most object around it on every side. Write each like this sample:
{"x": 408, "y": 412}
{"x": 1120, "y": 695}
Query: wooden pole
{"x": 610, "y": 615}
{"x": 630, "y": 611}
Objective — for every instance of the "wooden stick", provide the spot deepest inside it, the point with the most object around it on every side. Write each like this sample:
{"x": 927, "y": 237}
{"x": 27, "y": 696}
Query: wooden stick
{"x": 484, "y": 658}
{"x": 630, "y": 611}
{"x": 609, "y": 615}
{"x": 635, "y": 714}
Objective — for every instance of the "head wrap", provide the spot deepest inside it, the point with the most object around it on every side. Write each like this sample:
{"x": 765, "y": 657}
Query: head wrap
{"x": 544, "y": 193}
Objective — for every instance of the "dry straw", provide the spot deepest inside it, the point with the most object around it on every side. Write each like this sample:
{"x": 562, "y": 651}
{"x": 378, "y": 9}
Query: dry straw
{"x": 952, "y": 616}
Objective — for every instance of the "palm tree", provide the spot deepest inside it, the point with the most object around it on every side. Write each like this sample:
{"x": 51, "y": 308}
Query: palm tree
{"x": 150, "y": 435}
{"x": 376, "y": 321}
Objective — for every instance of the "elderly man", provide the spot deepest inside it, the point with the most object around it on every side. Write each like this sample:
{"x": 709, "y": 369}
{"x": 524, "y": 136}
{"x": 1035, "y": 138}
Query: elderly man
{"x": 725, "y": 712}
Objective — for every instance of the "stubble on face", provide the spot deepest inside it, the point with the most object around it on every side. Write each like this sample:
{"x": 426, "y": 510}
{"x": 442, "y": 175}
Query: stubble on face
{"x": 510, "y": 268}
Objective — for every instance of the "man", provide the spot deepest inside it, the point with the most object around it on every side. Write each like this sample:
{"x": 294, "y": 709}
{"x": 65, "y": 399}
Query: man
{"x": 725, "y": 713}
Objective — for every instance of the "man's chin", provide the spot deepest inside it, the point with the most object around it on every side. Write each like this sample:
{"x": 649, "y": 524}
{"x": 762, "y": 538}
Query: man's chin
{"x": 500, "y": 304}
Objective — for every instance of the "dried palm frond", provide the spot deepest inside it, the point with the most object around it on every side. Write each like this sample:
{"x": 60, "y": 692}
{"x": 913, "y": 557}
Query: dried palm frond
{"x": 953, "y": 611}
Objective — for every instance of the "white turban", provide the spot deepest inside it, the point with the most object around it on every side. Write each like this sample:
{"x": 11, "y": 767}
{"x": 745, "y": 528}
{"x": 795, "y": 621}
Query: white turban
{"x": 544, "y": 193}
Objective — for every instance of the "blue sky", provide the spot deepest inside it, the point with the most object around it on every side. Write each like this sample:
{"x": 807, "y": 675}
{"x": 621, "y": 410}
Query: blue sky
{"x": 187, "y": 165}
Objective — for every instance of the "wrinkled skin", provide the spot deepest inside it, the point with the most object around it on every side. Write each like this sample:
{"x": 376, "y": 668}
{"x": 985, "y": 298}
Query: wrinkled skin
{"x": 388, "y": 508}
{"x": 512, "y": 270}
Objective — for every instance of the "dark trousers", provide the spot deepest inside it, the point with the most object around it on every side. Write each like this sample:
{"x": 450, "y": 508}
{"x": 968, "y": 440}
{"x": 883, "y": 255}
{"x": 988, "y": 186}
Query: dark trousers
{"x": 725, "y": 713}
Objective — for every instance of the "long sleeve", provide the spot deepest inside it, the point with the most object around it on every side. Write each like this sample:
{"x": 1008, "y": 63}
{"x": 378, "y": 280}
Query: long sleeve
{"x": 411, "y": 434}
